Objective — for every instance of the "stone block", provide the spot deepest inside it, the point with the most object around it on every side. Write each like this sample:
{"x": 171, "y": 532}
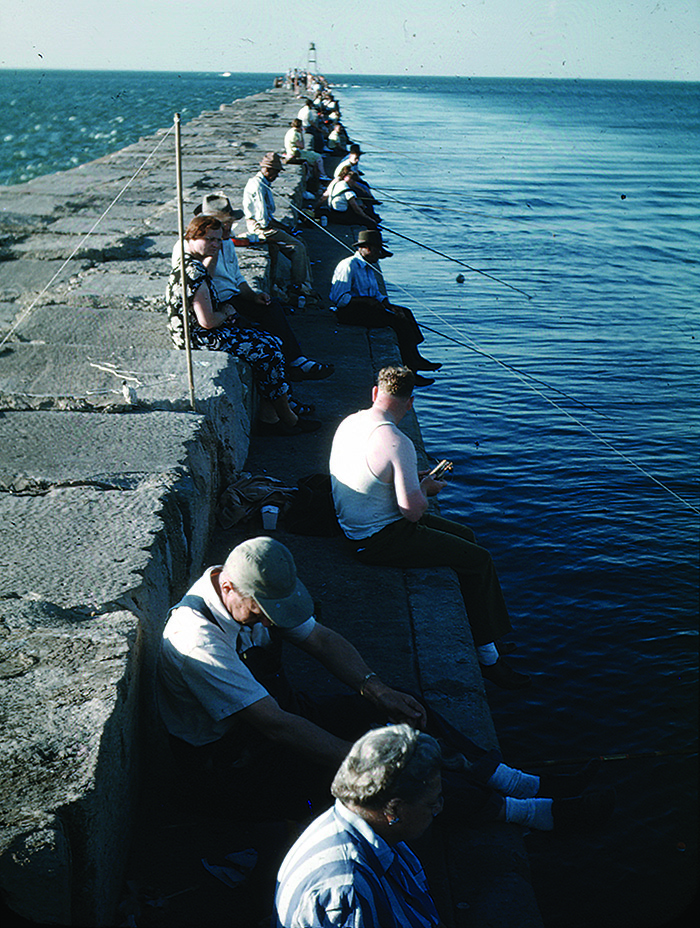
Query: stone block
{"x": 84, "y": 378}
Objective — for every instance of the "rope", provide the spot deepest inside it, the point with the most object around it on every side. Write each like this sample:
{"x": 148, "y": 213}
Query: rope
{"x": 80, "y": 244}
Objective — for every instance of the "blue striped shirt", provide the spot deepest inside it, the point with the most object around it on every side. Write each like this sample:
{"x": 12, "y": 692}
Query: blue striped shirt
{"x": 341, "y": 874}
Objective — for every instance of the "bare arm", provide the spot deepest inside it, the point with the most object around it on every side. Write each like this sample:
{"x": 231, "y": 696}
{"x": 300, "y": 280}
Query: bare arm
{"x": 345, "y": 662}
{"x": 293, "y": 731}
{"x": 207, "y": 316}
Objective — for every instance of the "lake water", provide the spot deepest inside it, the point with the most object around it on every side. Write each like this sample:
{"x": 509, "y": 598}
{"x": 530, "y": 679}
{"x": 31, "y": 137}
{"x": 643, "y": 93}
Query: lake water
{"x": 568, "y": 401}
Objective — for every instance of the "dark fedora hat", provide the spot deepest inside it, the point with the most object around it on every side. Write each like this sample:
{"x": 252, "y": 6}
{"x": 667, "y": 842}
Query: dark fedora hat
{"x": 272, "y": 160}
{"x": 355, "y": 149}
{"x": 370, "y": 237}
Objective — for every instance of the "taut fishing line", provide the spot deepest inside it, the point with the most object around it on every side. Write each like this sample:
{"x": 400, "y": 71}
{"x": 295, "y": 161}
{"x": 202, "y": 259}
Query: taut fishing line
{"x": 524, "y": 378}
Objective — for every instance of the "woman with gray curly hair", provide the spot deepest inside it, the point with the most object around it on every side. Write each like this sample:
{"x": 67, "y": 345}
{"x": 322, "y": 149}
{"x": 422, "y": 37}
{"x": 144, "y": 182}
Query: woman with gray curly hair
{"x": 351, "y": 868}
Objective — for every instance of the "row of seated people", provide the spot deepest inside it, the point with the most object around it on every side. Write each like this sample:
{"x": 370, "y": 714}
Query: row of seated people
{"x": 223, "y": 694}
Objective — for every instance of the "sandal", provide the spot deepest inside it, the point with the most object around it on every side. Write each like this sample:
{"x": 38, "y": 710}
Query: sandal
{"x": 302, "y": 409}
{"x": 310, "y": 370}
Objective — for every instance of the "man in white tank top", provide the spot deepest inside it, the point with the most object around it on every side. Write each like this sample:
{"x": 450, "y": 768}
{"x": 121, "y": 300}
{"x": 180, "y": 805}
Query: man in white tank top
{"x": 382, "y": 506}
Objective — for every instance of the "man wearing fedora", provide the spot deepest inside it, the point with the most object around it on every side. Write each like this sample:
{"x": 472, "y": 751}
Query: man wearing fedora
{"x": 361, "y": 187}
{"x": 246, "y": 738}
{"x": 259, "y": 211}
{"x": 358, "y": 300}
{"x": 254, "y": 308}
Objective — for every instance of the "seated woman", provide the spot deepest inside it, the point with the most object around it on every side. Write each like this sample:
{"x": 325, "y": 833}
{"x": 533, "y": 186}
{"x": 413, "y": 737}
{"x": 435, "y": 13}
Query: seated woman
{"x": 295, "y": 151}
{"x": 352, "y": 866}
{"x": 214, "y": 325}
{"x": 342, "y": 205}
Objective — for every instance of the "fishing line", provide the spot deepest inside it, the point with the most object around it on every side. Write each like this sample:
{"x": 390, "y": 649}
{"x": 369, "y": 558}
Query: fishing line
{"x": 80, "y": 244}
{"x": 524, "y": 379}
{"x": 562, "y": 762}
{"x": 521, "y": 376}
{"x": 457, "y": 261}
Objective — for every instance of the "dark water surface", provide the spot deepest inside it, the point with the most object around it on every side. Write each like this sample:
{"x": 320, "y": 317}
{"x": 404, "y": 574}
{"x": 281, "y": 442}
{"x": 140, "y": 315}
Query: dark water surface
{"x": 560, "y": 411}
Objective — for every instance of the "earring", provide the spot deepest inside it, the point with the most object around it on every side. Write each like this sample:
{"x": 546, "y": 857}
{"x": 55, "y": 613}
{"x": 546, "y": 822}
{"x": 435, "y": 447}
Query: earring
{"x": 394, "y": 821}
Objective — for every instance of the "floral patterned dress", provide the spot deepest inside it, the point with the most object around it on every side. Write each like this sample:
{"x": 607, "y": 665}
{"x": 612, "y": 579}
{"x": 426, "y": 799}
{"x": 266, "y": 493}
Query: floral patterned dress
{"x": 260, "y": 349}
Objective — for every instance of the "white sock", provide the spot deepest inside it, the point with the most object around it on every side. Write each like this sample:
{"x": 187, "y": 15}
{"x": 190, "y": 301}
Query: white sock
{"x": 535, "y": 813}
{"x": 487, "y": 653}
{"x": 511, "y": 782}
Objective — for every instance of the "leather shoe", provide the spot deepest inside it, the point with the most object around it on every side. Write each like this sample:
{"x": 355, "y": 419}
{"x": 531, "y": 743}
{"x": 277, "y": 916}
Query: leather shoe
{"x": 504, "y": 676}
{"x": 422, "y": 381}
{"x": 506, "y": 647}
{"x": 584, "y": 813}
{"x": 565, "y": 785}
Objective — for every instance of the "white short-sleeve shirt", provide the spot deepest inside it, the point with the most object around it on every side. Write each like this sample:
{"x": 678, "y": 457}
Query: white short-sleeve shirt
{"x": 202, "y": 681}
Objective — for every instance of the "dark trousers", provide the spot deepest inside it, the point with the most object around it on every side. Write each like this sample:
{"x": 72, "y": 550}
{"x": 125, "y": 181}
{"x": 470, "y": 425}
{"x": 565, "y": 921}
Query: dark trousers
{"x": 270, "y": 317}
{"x": 437, "y": 542}
{"x": 372, "y": 314}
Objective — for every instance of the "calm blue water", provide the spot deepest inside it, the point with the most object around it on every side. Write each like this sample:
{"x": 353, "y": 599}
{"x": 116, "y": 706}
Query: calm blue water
{"x": 559, "y": 410}
{"x": 583, "y": 195}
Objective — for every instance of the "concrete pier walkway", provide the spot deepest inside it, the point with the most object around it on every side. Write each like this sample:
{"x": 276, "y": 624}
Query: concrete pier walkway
{"x": 107, "y": 513}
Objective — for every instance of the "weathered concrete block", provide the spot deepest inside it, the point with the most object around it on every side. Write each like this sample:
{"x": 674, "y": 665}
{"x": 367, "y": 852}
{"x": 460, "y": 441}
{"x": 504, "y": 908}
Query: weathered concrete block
{"x": 83, "y": 378}
{"x": 59, "y": 324}
{"x": 69, "y": 688}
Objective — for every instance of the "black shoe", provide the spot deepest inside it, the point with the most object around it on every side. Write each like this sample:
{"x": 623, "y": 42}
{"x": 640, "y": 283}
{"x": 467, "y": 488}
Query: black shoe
{"x": 506, "y": 647}
{"x": 565, "y": 785}
{"x": 426, "y": 365}
{"x": 504, "y": 676}
{"x": 585, "y": 812}
{"x": 422, "y": 381}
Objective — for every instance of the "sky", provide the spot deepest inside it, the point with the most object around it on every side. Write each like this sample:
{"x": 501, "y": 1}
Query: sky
{"x": 610, "y": 39}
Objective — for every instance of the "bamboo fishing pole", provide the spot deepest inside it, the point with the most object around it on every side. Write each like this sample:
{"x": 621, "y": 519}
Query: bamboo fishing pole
{"x": 183, "y": 278}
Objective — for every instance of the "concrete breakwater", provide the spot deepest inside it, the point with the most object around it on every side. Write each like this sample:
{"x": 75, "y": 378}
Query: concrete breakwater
{"x": 107, "y": 512}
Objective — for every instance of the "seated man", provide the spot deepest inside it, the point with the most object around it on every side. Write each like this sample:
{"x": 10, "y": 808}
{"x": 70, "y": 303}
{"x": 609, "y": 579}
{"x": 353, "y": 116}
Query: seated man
{"x": 361, "y": 187}
{"x": 247, "y": 738}
{"x": 382, "y": 506}
{"x": 259, "y": 211}
{"x": 311, "y": 125}
{"x": 358, "y": 300}
{"x": 253, "y": 308}
{"x": 344, "y": 206}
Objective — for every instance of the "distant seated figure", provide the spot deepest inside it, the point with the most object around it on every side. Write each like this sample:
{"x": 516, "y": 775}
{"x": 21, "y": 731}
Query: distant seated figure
{"x": 359, "y": 301}
{"x": 338, "y": 139}
{"x": 295, "y": 150}
{"x": 360, "y": 186}
{"x": 259, "y": 212}
{"x": 343, "y": 205}
{"x": 352, "y": 865}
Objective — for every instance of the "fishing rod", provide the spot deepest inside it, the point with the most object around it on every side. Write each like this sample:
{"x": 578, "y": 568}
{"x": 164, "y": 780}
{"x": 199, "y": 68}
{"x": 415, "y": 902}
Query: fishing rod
{"x": 457, "y": 261}
{"x": 563, "y": 762}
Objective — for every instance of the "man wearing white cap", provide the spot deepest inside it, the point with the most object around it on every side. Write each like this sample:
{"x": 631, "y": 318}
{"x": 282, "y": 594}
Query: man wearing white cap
{"x": 219, "y": 674}
{"x": 244, "y": 736}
